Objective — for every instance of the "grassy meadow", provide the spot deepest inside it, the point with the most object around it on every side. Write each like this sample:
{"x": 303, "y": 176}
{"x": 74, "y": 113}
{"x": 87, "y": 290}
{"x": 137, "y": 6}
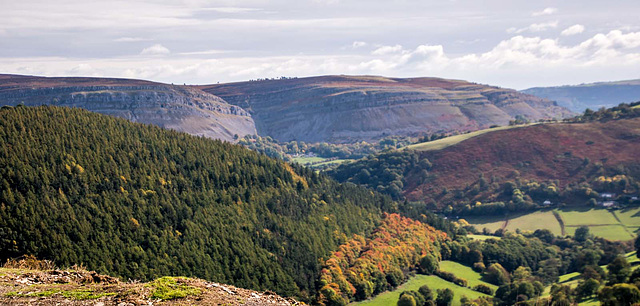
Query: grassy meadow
{"x": 613, "y": 225}
{"x": 449, "y": 141}
{"x": 435, "y": 283}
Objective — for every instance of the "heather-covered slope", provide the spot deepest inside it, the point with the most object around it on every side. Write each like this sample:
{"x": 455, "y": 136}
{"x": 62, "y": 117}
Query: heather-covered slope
{"x": 139, "y": 202}
{"x": 182, "y": 108}
{"x": 516, "y": 169}
{"x": 345, "y": 109}
{"x": 594, "y": 96}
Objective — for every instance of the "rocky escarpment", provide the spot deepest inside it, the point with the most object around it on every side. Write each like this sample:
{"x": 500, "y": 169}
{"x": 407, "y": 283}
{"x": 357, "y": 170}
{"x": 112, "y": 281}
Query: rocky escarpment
{"x": 593, "y": 96}
{"x": 345, "y": 109}
{"x": 181, "y": 108}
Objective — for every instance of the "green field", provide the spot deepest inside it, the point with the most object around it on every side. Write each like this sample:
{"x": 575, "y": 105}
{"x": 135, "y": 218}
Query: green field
{"x": 304, "y": 160}
{"x": 611, "y": 232}
{"x": 434, "y": 282}
{"x": 612, "y": 225}
{"x": 449, "y": 141}
{"x": 629, "y": 216}
{"x": 587, "y": 217}
{"x": 318, "y": 161}
{"x": 532, "y": 222}
{"x": 492, "y": 223}
{"x": 481, "y": 237}
{"x": 473, "y": 278}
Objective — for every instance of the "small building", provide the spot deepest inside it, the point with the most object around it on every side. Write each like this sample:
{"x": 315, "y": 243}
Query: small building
{"x": 546, "y": 203}
{"x": 609, "y": 204}
{"x": 607, "y": 195}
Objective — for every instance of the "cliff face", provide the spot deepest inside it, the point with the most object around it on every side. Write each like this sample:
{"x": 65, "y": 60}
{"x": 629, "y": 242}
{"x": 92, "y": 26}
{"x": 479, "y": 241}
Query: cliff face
{"x": 593, "y": 96}
{"x": 344, "y": 108}
{"x": 181, "y": 108}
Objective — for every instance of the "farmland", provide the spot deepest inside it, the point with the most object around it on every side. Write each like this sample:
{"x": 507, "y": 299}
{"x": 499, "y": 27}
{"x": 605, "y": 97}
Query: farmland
{"x": 434, "y": 282}
{"x": 415, "y": 282}
{"x": 613, "y": 225}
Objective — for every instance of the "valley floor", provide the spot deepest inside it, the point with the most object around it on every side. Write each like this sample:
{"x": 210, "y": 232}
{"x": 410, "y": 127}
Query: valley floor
{"x": 434, "y": 283}
{"x": 620, "y": 224}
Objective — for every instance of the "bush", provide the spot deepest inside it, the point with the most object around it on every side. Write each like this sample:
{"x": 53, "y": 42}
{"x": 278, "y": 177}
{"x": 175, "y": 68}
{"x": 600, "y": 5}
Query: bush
{"x": 428, "y": 264}
{"x": 416, "y": 296}
{"x": 478, "y": 267}
{"x": 482, "y": 288}
{"x": 445, "y": 297}
{"x": 448, "y": 276}
{"x": 496, "y": 274}
{"x": 426, "y": 292}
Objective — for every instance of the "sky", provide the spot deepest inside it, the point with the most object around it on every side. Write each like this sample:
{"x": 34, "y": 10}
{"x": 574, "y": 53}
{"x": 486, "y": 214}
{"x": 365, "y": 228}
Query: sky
{"x": 508, "y": 43}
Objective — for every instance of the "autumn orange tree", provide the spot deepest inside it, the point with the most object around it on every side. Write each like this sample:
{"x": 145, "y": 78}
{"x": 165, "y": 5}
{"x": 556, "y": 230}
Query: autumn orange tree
{"x": 361, "y": 268}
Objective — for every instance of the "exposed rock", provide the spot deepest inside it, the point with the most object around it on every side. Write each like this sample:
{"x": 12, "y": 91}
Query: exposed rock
{"x": 72, "y": 287}
{"x": 345, "y": 109}
{"x": 182, "y": 108}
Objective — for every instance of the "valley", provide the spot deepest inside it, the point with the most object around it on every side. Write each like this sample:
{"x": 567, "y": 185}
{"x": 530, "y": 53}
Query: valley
{"x": 306, "y": 236}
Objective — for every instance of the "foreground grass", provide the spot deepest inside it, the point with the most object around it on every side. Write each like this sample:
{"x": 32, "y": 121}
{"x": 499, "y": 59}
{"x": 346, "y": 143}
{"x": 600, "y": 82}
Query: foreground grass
{"x": 449, "y": 141}
{"x": 414, "y": 283}
{"x": 169, "y": 288}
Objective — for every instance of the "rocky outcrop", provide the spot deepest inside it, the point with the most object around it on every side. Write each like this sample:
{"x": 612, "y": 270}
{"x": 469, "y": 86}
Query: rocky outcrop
{"x": 345, "y": 109}
{"x": 182, "y": 108}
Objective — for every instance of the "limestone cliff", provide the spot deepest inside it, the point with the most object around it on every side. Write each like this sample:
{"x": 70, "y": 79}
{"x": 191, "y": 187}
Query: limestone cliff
{"x": 182, "y": 108}
{"x": 353, "y": 108}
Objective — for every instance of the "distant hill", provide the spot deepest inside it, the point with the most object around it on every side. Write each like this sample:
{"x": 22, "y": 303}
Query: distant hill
{"x": 137, "y": 201}
{"x": 560, "y": 162}
{"x": 577, "y": 98}
{"x": 182, "y": 108}
{"x": 343, "y": 109}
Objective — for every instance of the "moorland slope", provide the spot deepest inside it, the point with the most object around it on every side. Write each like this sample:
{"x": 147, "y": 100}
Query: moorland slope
{"x": 343, "y": 109}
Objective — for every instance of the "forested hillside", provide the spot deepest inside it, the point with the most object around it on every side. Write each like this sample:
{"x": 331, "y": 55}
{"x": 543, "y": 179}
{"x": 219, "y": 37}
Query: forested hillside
{"x": 137, "y": 201}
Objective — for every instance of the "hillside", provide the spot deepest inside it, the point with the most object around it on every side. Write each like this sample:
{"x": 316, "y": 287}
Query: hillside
{"x": 519, "y": 167}
{"x": 32, "y": 282}
{"x": 182, "y": 108}
{"x": 137, "y": 201}
{"x": 577, "y": 98}
{"x": 343, "y": 109}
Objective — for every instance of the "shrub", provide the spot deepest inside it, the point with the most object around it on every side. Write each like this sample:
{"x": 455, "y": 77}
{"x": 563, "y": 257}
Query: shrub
{"x": 478, "y": 267}
{"x": 483, "y": 289}
{"x": 448, "y": 276}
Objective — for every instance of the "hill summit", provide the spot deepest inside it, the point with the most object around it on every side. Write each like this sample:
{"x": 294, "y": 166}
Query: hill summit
{"x": 342, "y": 109}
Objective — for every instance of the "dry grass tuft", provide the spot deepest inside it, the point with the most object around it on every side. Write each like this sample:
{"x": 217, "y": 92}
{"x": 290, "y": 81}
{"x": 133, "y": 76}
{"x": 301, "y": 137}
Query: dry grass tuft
{"x": 29, "y": 262}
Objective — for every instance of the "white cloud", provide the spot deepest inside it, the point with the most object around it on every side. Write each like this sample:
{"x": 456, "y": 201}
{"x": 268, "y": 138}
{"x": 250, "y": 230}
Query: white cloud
{"x": 546, "y": 11}
{"x": 518, "y": 61}
{"x": 573, "y": 30}
{"x": 205, "y": 52}
{"x": 130, "y": 39}
{"x": 536, "y": 27}
{"x": 156, "y": 49}
{"x": 231, "y": 10}
{"x": 387, "y": 50}
{"x": 358, "y": 44}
